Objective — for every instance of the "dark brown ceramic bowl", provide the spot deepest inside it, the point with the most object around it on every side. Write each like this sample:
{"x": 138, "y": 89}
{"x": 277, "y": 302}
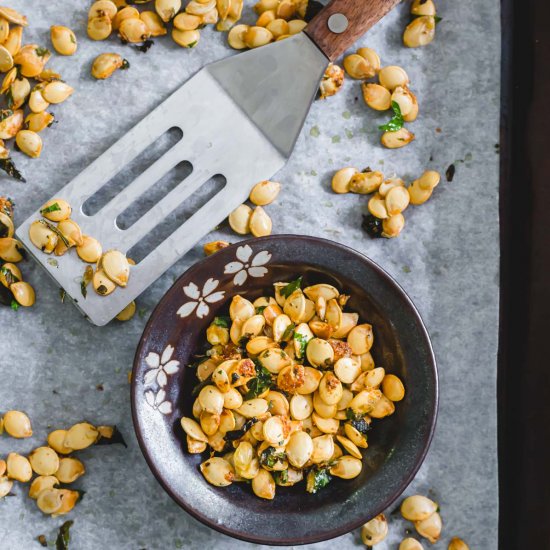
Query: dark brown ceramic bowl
{"x": 162, "y": 384}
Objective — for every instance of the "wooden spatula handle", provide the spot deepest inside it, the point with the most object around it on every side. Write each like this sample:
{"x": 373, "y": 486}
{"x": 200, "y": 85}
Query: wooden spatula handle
{"x": 342, "y": 22}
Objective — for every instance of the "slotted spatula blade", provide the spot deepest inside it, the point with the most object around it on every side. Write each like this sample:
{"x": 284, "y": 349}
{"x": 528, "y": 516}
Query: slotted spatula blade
{"x": 240, "y": 118}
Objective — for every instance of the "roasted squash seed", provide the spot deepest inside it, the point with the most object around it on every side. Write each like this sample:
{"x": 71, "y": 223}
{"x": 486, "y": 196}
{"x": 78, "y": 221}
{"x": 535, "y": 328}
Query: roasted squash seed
{"x": 17, "y": 424}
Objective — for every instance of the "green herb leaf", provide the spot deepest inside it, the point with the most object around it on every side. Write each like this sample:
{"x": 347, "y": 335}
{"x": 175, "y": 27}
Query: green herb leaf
{"x": 396, "y": 122}
{"x": 437, "y": 19}
{"x": 358, "y": 421}
{"x": 5, "y": 113}
{"x": 86, "y": 279}
{"x": 63, "y": 537}
{"x": 58, "y": 233}
{"x": 262, "y": 382}
{"x": 233, "y": 435}
{"x": 222, "y": 321}
{"x": 62, "y": 294}
{"x": 260, "y": 310}
{"x": 42, "y": 52}
{"x": 287, "y": 290}
{"x": 14, "y": 305}
{"x": 317, "y": 478}
{"x": 303, "y": 342}
{"x": 10, "y": 169}
{"x": 288, "y": 332}
{"x": 281, "y": 476}
{"x": 269, "y": 457}
{"x": 52, "y": 208}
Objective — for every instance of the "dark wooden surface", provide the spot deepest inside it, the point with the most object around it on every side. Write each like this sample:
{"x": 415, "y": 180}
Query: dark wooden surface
{"x": 524, "y": 366}
{"x": 361, "y": 14}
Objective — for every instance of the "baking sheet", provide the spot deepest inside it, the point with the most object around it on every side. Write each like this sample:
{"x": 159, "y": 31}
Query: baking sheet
{"x": 60, "y": 369}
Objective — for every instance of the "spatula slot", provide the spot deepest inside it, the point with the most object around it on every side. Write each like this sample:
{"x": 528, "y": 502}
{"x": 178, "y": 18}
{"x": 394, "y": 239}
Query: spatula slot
{"x": 178, "y": 217}
{"x": 128, "y": 173}
{"x": 155, "y": 193}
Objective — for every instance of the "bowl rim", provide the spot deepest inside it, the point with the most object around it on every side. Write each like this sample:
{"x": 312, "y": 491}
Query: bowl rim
{"x": 343, "y": 528}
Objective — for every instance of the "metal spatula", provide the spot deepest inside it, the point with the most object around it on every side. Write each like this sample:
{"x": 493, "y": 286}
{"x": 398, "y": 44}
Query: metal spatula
{"x": 240, "y": 118}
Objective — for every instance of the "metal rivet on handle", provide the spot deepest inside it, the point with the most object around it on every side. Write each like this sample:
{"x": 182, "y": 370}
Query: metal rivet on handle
{"x": 338, "y": 23}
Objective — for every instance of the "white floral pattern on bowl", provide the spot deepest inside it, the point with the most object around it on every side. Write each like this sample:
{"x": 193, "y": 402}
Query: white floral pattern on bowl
{"x": 200, "y": 300}
{"x": 247, "y": 266}
{"x": 162, "y": 366}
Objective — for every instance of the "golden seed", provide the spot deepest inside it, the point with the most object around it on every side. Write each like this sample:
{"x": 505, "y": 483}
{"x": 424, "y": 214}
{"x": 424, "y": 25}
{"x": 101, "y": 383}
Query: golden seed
{"x": 43, "y": 237}
{"x": 402, "y": 96}
{"x": 397, "y": 200}
{"x": 214, "y": 246}
{"x": 239, "y": 219}
{"x": 417, "y": 194}
{"x": 296, "y": 26}
{"x": 17, "y": 424}
{"x": 393, "y": 76}
{"x": 13, "y": 16}
{"x": 410, "y": 544}
{"x": 374, "y": 531}
{"x": 69, "y": 470}
{"x": 49, "y": 501}
{"x": 13, "y": 42}
{"x": 90, "y": 249}
{"x": 56, "y": 440}
{"x": 20, "y": 89}
{"x": 127, "y": 313}
{"x": 371, "y": 56}
{"x": 99, "y": 28}
{"x": 116, "y": 267}
{"x": 44, "y": 461}
{"x": 332, "y": 81}
{"x": 342, "y": 179}
{"x": 57, "y": 91}
{"x": 10, "y": 250}
{"x": 102, "y": 284}
{"x": 260, "y": 223}
{"x": 187, "y": 22}
{"x": 103, "y": 8}
{"x": 417, "y": 508}
{"x": 18, "y": 467}
{"x": 41, "y": 483}
{"x": 133, "y": 30}
{"x": 393, "y": 388}
{"x": 376, "y": 96}
{"x": 265, "y": 192}
{"x": 430, "y": 527}
{"x": 4, "y": 29}
{"x": 264, "y": 5}
{"x": 29, "y": 142}
{"x": 24, "y": 293}
{"x": 6, "y": 60}
{"x": 186, "y": 39}
{"x": 63, "y": 40}
{"x": 80, "y": 436}
{"x": 56, "y": 210}
{"x": 154, "y": 23}
{"x": 10, "y": 123}
{"x": 71, "y": 231}
{"x": 398, "y": 139}
{"x": 377, "y": 206}
{"x": 358, "y": 67}
{"x": 36, "y": 122}
{"x": 265, "y": 18}
{"x": 257, "y": 36}
{"x": 200, "y": 7}
{"x": 9, "y": 79}
{"x": 6, "y": 225}
{"x": 167, "y": 8}
{"x": 106, "y": 64}
{"x": 419, "y": 32}
{"x": 128, "y": 12}
{"x": 365, "y": 183}
{"x": 457, "y": 544}
{"x": 392, "y": 226}
{"x": 37, "y": 103}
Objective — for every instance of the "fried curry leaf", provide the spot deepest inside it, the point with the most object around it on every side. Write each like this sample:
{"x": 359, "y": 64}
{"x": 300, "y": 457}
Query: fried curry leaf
{"x": 288, "y": 332}
{"x": 317, "y": 478}
{"x": 233, "y": 435}
{"x": 303, "y": 342}
{"x": 396, "y": 122}
{"x": 357, "y": 421}
{"x": 64, "y": 536}
{"x": 14, "y": 305}
{"x": 114, "y": 438}
{"x": 9, "y": 276}
{"x": 269, "y": 457}
{"x": 287, "y": 290}
{"x": 6, "y": 296}
{"x": 52, "y": 208}
{"x": 260, "y": 310}
{"x": 10, "y": 169}
{"x": 262, "y": 382}
{"x": 222, "y": 321}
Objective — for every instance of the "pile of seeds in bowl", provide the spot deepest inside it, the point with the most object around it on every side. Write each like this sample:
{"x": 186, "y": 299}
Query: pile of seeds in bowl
{"x": 51, "y": 464}
{"x": 56, "y": 232}
{"x": 21, "y": 64}
{"x": 288, "y": 391}
{"x": 421, "y": 30}
{"x": 391, "y": 197}
{"x": 14, "y": 291}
